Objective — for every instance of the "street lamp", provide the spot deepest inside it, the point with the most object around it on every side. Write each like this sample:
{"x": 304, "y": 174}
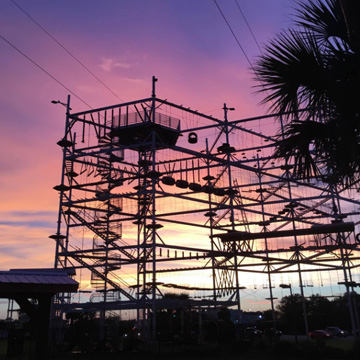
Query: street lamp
{"x": 59, "y": 102}
{"x": 286, "y": 286}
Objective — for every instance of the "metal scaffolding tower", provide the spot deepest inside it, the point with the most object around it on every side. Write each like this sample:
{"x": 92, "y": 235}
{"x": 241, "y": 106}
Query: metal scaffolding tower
{"x": 156, "y": 198}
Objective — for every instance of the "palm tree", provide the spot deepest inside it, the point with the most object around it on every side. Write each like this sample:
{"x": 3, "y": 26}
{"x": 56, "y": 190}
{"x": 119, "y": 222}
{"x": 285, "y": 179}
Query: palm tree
{"x": 315, "y": 67}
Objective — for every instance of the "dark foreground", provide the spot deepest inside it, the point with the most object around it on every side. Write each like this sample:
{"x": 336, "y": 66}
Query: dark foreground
{"x": 256, "y": 349}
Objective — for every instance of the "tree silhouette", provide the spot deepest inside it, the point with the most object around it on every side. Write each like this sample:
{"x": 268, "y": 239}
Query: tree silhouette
{"x": 315, "y": 66}
{"x": 291, "y": 314}
{"x": 319, "y": 311}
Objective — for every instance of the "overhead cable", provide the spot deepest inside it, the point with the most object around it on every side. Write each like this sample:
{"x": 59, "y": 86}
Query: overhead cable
{"x": 248, "y": 25}
{"x": 238, "y": 42}
{"x": 46, "y": 72}
{"x": 234, "y": 35}
{"x": 65, "y": 49}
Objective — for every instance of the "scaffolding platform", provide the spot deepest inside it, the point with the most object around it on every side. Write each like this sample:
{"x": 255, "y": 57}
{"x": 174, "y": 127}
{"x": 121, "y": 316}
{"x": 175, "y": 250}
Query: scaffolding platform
{"x": 134, "y": 129}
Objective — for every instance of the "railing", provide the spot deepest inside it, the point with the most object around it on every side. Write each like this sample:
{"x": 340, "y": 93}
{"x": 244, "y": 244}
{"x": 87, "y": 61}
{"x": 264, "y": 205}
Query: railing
{"x": 136, "y": 118}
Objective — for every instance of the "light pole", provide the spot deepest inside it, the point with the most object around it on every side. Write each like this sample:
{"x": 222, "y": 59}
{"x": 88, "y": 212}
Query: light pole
{"x": 286, "y": 286}
{"x": 60, "y": 102}
{"x": 64, "y": 143}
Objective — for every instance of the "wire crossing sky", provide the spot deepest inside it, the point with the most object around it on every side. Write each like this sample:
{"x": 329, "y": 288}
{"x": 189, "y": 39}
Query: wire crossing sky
{"x": 66, "y": 50}
{"x": 186, "y": 44}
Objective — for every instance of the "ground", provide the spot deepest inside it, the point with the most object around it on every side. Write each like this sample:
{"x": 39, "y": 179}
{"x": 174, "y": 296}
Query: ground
{"x": 245, "y": 350}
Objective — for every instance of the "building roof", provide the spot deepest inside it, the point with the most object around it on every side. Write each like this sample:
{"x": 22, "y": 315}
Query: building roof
{"x": 35, "y": 282}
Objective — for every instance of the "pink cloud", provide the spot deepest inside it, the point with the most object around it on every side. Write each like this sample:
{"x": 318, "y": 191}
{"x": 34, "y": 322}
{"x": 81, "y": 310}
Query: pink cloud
{"x": 108, "y": 64}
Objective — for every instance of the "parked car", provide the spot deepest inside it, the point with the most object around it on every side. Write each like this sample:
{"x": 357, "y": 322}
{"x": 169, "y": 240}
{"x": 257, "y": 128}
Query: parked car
{"x": 335, "y": 331}
{"x": 252, "y": 332}
{"x": 320, "y": 334}
{"x": 272, "y": 332}
{"x": 131, "y": 340}
{"x": 277, "y": 333}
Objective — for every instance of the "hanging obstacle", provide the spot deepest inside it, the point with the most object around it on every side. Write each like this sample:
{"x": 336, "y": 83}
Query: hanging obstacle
{"x": 192, "y": 138}
{"x": 208, "y": 178}
{"x": 357, "y": 237}
{"x": 210, "y": 214}
{"x": 219, "y": 192}
{"x": 182, "y": 184}
{"x": 208, "y": 189}
{"x": 168, "y": 180}
{"x": 195, "y": 187}
{"x": 225, "y": 148}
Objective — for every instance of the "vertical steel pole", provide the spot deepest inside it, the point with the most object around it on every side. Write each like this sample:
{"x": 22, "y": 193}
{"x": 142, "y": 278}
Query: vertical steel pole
{"x": 297, "y": 250}
{"x": 153, "y": 199}
{"x": 266, "y": 247}
{"x": 344, "y": 260}
{"x": 232, "y": 220}
{"x": 211, "y": 228}
{"x": 58, "y": 230}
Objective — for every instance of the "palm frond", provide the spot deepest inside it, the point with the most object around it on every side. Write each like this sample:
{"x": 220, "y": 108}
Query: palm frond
{"x": 321, "y": 148}
{"x": 323, "y": 18}
{"x": 293, "y": 72}
{"x": 298, "y": 142}
{"x": 315, "y": 66}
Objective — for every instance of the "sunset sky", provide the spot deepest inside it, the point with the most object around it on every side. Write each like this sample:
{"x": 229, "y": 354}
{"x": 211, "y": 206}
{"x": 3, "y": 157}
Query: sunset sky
{"x": 186, "y": 44}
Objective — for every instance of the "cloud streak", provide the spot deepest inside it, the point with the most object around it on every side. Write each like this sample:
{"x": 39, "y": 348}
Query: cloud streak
{"x": 109, "y": 64}
{"x": 30, "y": 224}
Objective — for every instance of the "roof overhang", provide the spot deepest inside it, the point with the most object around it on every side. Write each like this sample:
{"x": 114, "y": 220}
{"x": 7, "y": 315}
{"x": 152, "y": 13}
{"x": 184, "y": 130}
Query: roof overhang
{"x": 36, "y": 282}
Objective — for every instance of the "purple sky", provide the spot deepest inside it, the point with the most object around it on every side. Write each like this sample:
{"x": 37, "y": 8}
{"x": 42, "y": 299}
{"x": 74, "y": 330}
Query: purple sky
{"x": 186, "y": 44}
